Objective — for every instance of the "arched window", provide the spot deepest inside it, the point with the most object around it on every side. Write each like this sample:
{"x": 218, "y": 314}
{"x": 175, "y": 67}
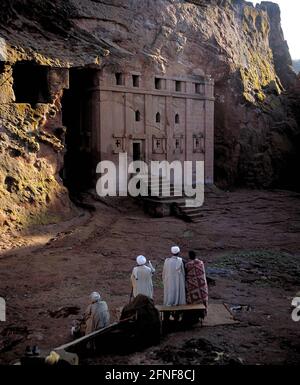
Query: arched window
{"x": 177, "y": 120}
{"x": 137, "y": 116}
{"x": 157, "y": 118}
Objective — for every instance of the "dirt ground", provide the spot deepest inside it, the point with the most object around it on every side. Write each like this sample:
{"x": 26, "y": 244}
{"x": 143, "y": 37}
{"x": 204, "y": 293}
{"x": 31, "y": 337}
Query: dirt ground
{"x": 249, "y": 241}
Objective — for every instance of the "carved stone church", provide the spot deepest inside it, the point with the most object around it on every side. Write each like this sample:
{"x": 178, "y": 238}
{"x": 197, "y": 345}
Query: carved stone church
{"x": 105, "y": 112}
{"x": 149, "y": 117}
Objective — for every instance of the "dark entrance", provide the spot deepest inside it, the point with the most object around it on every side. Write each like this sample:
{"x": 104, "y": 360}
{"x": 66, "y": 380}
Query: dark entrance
{"x": 136, "y": 151}
{"x": 31, "y": 83}
{"x": 78, "y": 171}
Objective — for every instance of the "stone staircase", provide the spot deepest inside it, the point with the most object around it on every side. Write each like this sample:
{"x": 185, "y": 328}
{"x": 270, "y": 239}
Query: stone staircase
{"x": 167, "y": 203}
{"x": 191, "y": 214}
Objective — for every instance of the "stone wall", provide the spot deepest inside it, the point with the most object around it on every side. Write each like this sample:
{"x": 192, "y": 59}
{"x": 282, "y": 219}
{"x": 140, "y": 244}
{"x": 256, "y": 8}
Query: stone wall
{"x": 241, "y": 46}
{"x": 31, "y": 155}
{"x": 186, "y": 120}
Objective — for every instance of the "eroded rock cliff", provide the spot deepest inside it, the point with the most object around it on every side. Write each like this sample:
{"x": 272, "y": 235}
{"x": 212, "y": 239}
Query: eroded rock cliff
{"x": 241, "y": 46}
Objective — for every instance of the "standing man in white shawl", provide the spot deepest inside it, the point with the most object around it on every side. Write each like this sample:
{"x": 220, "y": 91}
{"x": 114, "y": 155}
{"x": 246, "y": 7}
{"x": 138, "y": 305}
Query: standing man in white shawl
{"x": 141, "y": 277}
{"x": 174, "y": 279}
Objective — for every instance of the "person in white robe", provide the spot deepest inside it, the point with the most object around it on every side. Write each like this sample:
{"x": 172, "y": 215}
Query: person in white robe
{"x": 174, "y": 279}
{"x": 97, "y": 314}
{"x": 141, "y": 278}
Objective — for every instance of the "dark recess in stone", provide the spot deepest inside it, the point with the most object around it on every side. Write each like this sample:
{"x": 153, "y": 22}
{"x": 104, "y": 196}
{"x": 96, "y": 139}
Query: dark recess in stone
{"x": 31, "y": 83}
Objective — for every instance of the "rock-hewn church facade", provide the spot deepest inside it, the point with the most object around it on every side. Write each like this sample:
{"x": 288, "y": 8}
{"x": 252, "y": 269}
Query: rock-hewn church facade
{"x": 152, "y": 118}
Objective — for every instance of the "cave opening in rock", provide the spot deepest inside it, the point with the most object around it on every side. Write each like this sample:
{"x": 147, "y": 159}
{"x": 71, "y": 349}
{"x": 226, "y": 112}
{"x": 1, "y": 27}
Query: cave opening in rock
{"x": 30, "y": 83}
{"x": 77, "y": 109}
{"x": 2, "y": 67}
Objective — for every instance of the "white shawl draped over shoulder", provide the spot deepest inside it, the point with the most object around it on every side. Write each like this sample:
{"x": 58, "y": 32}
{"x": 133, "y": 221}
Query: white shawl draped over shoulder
{"x": 174, "y": 282}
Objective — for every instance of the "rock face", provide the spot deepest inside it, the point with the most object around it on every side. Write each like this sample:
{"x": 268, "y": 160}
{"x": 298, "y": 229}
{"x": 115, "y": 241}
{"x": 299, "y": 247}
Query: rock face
{"x": 282, "y": 58}
{"x": 241, "y": 46}
{"x": 31, "y": 156}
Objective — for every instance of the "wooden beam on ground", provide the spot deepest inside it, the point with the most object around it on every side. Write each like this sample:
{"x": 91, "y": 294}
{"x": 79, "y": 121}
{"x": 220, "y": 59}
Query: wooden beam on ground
{"x": 163, "y": 308}
{"x": 92, "y": 336}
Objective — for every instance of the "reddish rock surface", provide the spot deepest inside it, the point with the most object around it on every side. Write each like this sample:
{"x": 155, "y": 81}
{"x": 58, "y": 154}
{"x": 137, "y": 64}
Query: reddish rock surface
{"x": 250, "y": 237}
{"x": 249, "y": 241}
{"x": 241, "y": 46}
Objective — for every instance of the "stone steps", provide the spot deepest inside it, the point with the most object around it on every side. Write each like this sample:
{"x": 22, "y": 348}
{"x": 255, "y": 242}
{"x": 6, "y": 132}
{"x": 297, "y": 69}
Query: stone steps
{"x": 170, "y": 204}
{"x": 165, "y": 198}
{"x": 191, "y": 211}
{"x": 192, "y": 214}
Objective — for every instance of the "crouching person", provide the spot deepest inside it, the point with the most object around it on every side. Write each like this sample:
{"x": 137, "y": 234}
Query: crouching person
{"x": 95, "y": 317}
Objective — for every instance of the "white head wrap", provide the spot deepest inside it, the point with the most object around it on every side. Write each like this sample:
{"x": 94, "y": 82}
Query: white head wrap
{"x": 175, "y": 250}
{"x": 141, "y": 260}
{"x": 95, "y": 296}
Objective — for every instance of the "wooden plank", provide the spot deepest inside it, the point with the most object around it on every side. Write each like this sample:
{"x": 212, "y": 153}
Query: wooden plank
{"x": 198, "y": 306}
{"x": 93, "y": 335}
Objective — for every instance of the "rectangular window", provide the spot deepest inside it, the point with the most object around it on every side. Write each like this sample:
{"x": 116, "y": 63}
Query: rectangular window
{"x": 119, "y": 79}
{"x": 135, "y": 80}
{"x": 158, "y": 83}
{"x": 178, "y": 85}
{"x": 198, "y": 88}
